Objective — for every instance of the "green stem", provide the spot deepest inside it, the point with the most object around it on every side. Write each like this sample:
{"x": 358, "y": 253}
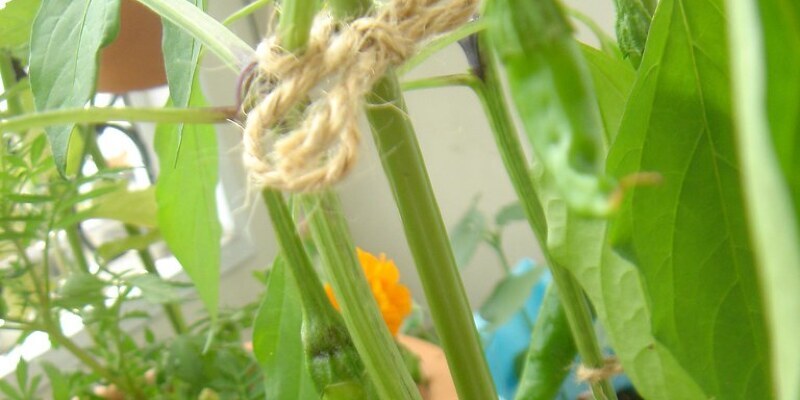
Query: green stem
{"x": 439, "y": 81}
{"x": 424, "y": 229}
{"x": 94, "y": 115}
{"x": 87, "y": 359}
{"x": 371, "y": 336}
{"x": 374, "y": 344}
{"x": 9, "y": 79}
{"x": 245, "y": 11}
{"x": 427, "y": 238}
{"x": 77, "y": 249}
{"x": 572, "y": 298}
{"x": 495, "y": 243}
{"x": 294, "y": 25}
{"x": 439, "y": 43}
{"x": 313, "y": 298}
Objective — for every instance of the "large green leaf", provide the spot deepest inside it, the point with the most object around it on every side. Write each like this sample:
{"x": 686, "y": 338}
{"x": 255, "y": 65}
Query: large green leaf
{"x": 66, "y": 38}
{"x": 181, "y": 55}
{"x": 780, "y": 20}
{"x": 550, "y": 354}
{"x": 766, "y": 98}
{"x": 615, "y": 288}
{"x": 16, "y": 20}
{"x": 276, "y": 338}
{"x": 689, "y": 235}
{"x": 187, "y": 204}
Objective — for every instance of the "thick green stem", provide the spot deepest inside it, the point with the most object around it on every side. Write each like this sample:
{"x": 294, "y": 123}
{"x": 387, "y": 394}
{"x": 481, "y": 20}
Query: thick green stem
{"x": 371, "y": 336}
{"x": 291, "y": 246}
{"x": 380, "y": 355}
{"x": 333, "y": 360}
{"x": 572, "y": 298}
{"x": 295, "y": 23}
{"x": 425, "y": 232}
{"x": 94, "y": 115}
{"x": 427, "y": 238}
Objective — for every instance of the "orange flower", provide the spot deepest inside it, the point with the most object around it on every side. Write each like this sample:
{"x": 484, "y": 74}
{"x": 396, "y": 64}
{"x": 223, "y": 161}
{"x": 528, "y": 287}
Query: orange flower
{"x": 394, "y": 299}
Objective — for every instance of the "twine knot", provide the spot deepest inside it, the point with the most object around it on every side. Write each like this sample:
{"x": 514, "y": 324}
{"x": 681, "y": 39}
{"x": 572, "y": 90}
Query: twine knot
{"x": 610, "y": 368}
{"x": 344, "y": 60}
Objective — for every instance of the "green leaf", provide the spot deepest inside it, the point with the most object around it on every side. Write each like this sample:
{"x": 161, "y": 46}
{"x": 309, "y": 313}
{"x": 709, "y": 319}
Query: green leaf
{"x": 137, "y": 207}
{"x": 9, "y": 391}
{"x": 468, "y": 234}
{"x": 550, "y": 353}
{"x": 109, "y": 250}
{"x": 276, "y": 338}
{"x": 22, "y": 374}
{"x": 765, "y": 57}
{"x": 508, "y": 296}
{"x": 181, "y": 55}
{"x": 59, "y": 383}
{"x": 509, "y": 213}
{"x": 80, "y": 289}
{"x": 615, "y": 288}
{"x": 16, "y": 20}
{"x": 187, "y": 204}
{"x": 154, "y": 289}
{"x": 66, "y": 38}
{"x": 185, "y": 360}
{"x": 781, "y": 34}
{"x": 233, "y": 51}
{"x": 613, "y": 79}
{"x": 689, "y": 235}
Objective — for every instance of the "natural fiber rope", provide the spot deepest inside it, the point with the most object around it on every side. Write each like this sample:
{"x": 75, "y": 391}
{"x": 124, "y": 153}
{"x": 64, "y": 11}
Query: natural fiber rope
{"x": 347, "y": 59}
{"x": 610, "y": 368}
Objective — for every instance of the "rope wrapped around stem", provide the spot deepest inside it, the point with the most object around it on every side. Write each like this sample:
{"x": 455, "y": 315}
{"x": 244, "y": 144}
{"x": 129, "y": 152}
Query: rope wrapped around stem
{"x": 345, "y": 59}
{"x": 611, "y": 367}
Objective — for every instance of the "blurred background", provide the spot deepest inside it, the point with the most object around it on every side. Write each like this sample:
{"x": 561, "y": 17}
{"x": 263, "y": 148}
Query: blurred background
{"x": 464, "y": 167}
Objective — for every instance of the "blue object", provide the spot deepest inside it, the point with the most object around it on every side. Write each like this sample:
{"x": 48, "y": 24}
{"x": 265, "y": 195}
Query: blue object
{"x": 506, "y": 346}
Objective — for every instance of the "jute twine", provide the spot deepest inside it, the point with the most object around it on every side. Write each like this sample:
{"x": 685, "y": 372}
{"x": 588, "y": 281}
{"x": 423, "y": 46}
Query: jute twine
{"x": 342, "y": 61}
{"x": 610, "y": 368}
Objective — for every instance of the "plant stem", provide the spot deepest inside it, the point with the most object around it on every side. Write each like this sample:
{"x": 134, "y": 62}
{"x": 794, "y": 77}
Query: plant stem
{"x": 245, "y": 11}
{"x": 294, "y": 25}
{"x": 370, "y": 334}
{"x": 439, "y": 81}
{"x": 309, "y": 285}
{"x": 572, "y": 298}
{"x": 88, "y": 360}
{"x": 93, "y": 115}
{"x": 77, "y": 249}
{"x": 9, "y": 79}
{"x": 372, "y": 340}
{"x": 427, "y": 238}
